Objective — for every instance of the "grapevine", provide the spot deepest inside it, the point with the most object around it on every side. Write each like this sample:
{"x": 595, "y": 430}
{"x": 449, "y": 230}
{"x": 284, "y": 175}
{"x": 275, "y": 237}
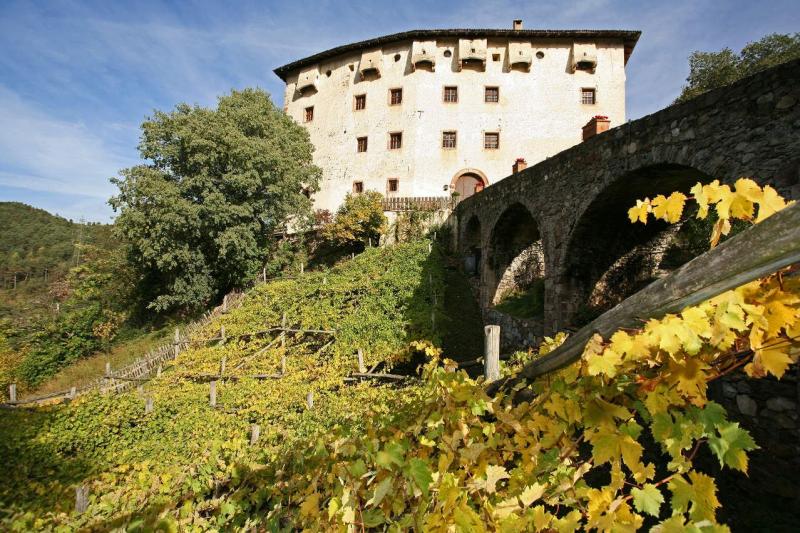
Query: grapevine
{"x": 608, "y": 443}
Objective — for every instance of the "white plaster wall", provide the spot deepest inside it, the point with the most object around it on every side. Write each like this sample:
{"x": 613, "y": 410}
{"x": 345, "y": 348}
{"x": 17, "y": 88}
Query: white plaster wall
{"x": 539, "y": 114}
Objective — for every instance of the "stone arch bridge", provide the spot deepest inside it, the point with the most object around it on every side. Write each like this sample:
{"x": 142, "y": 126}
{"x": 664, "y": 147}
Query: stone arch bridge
{"x": 563, "y": 224}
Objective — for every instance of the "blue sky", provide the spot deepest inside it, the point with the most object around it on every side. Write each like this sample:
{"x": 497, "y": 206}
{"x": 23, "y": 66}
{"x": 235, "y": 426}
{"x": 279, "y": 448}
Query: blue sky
{"x": 78, "y": 77}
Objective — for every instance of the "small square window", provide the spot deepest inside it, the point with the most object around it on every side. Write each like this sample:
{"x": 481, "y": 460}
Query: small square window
{"x": 309, "y": 116}
{"x": 491, "y": 141}
{"x": 395, "y": 96}
{"x": 588, "y": 96}
{"x": 451, "y": 94}
{"x": 395, "y": 141}
{"x": 495, "y": 57}
{"x": 362, "y": 144}
{"x": 361, "y": 102}
{"x": 393, "y": 185}
{"x": 358, "y": 187}
{"x": 448, "y": 139}
{"x": 492, "y": 95}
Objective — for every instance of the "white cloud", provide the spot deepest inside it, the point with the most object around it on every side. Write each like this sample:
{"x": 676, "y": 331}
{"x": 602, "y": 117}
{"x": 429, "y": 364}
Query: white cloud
{"x": 44, "y": 153}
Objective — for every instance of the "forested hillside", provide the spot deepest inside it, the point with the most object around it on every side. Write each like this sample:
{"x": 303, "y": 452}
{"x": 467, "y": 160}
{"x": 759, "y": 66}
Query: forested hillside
{"x": 67, "y": 293}
{"x": 37, "y": 249}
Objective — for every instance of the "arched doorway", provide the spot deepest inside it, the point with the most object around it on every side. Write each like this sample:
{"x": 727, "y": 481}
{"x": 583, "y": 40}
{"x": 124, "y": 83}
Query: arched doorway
{"x": 472, "y": 247}
{"x": 467, "y": 182}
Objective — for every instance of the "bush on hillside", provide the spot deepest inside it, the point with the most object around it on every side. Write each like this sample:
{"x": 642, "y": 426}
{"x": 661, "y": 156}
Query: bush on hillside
{"x": 358, "y": 221}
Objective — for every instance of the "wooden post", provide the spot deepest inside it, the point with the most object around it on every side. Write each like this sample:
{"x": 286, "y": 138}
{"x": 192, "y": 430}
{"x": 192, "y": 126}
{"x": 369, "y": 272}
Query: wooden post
{"x": 255, "y": 432}
{"x": 324, "y": 280}
{"x": 283, "y": 331}
{"x": 108, "y": 368}
{"x": 222, "y": 366}
{"x": 148, "y": 406}
{"x": 310, "y": 400}
{"x": 212, "y": 394}
{"x": 264, "y": 274}
{"x": 222, "y": 334}
{"x": 73, "y": 393}
{"x": 283, "y": 363}
{"x": 301, "y": 268}
{"x": 491, "y": 355}
{"x": 430, "y": 247}
{"x": 177, "y": 341}
{"x": 81, "y": 499}
{"x": 361, "y": 367}
{"x": 12, "y": 393}
{"x": 225, "y": 304}
{"x": 158, "y": 371}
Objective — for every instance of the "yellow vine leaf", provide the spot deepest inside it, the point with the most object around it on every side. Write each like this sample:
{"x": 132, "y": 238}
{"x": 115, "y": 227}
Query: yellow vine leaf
{"x": 639, "y": 211}
{"x": 669, "y": 208}
{"x": 773, "y": 360}
{"x": 493, "y": 475}
{"x": 604, "y": 363}
{"x": 770, "y": 204}
{"x": 531, "y": 494}
{"x": 698, "y": 191}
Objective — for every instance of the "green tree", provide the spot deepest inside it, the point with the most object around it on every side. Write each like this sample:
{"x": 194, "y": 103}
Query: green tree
{"x": 359, "y": 219}
{"x": 200, "y": 217}
{"x": 709, "y": 70}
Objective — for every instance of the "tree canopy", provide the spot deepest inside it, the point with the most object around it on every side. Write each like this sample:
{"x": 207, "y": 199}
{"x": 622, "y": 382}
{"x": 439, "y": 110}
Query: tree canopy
{"x": 709, "y": 70}
{"x": 201, "y": 215}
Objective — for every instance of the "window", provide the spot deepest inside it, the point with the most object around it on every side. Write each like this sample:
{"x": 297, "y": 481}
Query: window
{"x": 588, "y": 96}
{"x": 393, "y": 185}
{"x": 395, "y": 96}
{"x": 361, "y": 102}
{"x": 491, "y": 141}
{"x": 495, "y": 57}
{"x": 448, "y": 53}
{"x": 451, "y": 94}
{"x": 309, "y": 113}
{"x": 395, "y": 141}
{"x": 362, "y": 144}
{"x": 358, "y": 187}
{"x": 448, "y": 139}
{"x": 492, "y": 95}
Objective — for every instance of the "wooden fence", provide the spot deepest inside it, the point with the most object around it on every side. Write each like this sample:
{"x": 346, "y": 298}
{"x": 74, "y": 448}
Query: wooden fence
{"x": 140, "y": 370}
{"x": 417, "y": 203}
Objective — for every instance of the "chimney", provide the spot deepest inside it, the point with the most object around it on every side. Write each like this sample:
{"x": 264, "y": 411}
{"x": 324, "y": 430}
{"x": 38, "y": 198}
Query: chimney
{"x": 517, "y": 24}
{"x": 598, "y": 124}
{"x": 519, "y": 165}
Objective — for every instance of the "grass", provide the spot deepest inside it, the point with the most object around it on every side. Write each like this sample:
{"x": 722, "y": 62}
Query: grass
{"x": 90, "y": 368}
{"x": 528, "y": 303}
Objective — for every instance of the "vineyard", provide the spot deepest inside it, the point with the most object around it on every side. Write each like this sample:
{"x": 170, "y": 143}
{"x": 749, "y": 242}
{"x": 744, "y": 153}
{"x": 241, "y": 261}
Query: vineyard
{"x": 271, "y": 419}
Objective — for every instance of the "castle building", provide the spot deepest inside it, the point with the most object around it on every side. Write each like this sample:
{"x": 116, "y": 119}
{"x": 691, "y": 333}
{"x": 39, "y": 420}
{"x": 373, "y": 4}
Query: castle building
{"x": 437, "y": 113}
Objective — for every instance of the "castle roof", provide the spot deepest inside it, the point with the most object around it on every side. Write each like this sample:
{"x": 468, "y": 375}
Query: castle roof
{"x": 629, "y": 38}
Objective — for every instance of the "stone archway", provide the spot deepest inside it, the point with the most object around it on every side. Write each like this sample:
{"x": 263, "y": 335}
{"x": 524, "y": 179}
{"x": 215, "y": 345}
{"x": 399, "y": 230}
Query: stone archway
{"x": 467, "y": 182}
{"x": 514, "y": 264}
{"x": 608, "y": 258}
